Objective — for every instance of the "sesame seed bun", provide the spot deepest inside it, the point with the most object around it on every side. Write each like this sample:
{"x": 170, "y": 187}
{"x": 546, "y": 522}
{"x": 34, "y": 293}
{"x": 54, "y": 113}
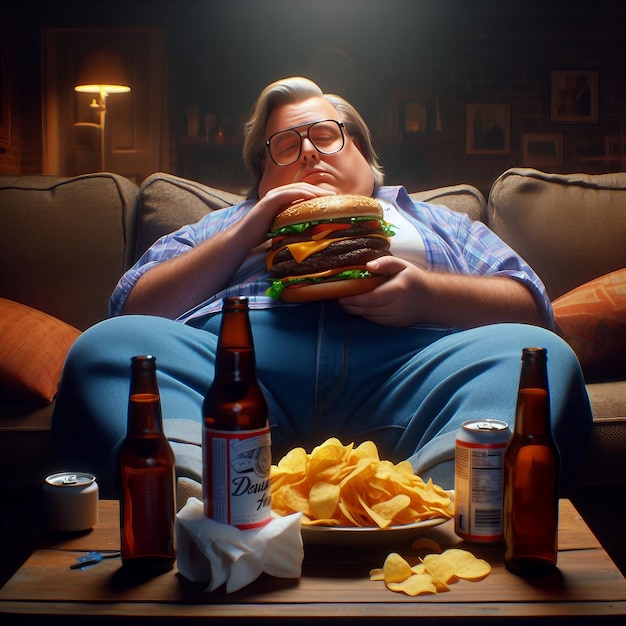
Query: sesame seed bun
{"x": 328, "y": 207}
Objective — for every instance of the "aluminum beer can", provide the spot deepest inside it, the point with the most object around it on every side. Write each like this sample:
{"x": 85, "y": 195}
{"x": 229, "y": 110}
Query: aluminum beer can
{"x": 71, "y": 500}
{"x": 478, "y": 469}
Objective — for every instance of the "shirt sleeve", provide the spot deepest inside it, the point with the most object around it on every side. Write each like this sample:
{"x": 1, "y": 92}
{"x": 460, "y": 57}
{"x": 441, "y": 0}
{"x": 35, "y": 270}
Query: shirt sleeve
{"x": 172, "y": 245}
{"x": 456, "y": 243}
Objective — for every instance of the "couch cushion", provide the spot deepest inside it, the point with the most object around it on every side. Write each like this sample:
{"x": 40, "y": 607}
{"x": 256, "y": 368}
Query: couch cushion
{"x": 571, "y": 228}
{"x": 461, "y": 198}
{"x": 65, "y": 242}
{"x": 592, "y": 319}
{"x": 33, "y": 347}
{"x": 167, "y": 202}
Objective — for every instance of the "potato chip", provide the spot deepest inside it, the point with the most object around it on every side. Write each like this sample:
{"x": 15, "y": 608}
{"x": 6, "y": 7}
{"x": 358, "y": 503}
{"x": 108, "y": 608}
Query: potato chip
{"x": 366, "y": 450}
{"x": 377, "y": 574}
{"x": 455, "y": 563}
{"x": 406, "y": 516}
{"x": 477, "y": 570}
{"x": 294, "y": 461}
{"x": 363, "y": 470}
{"x": 323, "y": 500}
{"x": 426, "y": 545}
{"x": 353, "y": 516}
{"x": 327, "y": 460}
{"x": 289, "y": 500}
{"x": 396, "y": 568}
{"x": 375, "y": 518}
{"x": 391, "y": 508}
{"x": 414, "y": 585}
{"x": 440, "y": 568}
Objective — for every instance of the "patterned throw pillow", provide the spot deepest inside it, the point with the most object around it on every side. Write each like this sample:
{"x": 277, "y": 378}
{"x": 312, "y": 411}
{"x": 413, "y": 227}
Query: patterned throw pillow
{"x": 592, "y": 319}
{"x": 33, "y": 347}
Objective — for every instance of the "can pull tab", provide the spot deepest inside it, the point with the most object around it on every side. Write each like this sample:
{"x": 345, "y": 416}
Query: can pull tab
{"x": 70, "y": 479}
{"x": 484, "y": 426}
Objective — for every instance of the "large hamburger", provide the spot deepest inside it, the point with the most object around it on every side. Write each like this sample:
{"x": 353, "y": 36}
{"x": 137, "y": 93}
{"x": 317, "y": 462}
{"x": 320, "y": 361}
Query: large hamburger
{"x": 319, "y": 248}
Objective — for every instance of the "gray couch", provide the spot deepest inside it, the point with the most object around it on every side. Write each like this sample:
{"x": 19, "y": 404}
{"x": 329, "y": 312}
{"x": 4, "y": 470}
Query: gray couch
{"x": 65, "y": 242}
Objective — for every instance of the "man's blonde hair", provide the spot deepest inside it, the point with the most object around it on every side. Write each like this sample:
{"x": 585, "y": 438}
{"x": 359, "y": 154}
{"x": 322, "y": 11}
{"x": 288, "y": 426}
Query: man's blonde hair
{"x": 292, "y": 90}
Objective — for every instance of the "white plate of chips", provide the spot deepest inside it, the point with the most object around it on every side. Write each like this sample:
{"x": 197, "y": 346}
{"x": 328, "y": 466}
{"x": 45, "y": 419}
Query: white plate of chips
{"x": 354, "y": 536}
{"x": 348, "y": 495}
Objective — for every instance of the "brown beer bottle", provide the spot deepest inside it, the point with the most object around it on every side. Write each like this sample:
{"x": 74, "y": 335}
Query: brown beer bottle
{"x": 236, "y": 436}
{"x": 531, "y": 475}
{"x": 147, "y": 473}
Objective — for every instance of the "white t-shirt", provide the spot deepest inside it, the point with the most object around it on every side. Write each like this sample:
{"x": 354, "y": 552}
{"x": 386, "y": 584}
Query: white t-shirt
{"x": 407, "y": 242}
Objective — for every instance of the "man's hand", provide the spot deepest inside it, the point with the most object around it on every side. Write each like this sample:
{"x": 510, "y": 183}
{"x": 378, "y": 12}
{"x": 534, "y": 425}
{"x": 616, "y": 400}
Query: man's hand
{"x": 175, "y": 286}
{"x": 412, "y": 295}
{"x": 277, "y": 200}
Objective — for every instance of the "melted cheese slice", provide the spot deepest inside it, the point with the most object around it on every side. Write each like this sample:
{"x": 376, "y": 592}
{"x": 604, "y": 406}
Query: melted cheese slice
{"x": 302, "y": 250}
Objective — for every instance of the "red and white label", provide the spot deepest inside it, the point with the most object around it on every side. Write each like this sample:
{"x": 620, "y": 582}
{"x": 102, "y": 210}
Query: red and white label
{"x": 240, "y": 476}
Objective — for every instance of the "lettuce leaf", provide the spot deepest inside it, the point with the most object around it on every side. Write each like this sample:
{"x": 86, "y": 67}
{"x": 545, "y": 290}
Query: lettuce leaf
{"x": 277, "y": 286}
{"x": 302, "y": 226}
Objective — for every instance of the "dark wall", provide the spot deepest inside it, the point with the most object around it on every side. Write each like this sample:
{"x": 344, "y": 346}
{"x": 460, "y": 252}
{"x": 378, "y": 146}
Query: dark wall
{"x": 222, "y": 52}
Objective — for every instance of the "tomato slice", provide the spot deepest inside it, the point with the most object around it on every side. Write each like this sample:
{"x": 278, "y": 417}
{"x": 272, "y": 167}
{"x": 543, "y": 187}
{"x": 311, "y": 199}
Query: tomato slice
{"x": 323, "y": 229}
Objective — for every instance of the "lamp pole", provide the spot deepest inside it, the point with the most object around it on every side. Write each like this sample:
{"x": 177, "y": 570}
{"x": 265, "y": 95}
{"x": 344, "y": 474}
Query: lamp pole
{"x": 102, "y": 106}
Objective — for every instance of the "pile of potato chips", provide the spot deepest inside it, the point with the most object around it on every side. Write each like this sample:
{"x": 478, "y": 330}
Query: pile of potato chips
{"x": 433, "y": 574}
{"x": 337, "y": 485}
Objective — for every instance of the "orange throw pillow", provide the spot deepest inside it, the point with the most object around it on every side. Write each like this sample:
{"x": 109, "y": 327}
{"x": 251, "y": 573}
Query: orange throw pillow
{"x": 592, "y": 319}
{"x": 33, "y": 347}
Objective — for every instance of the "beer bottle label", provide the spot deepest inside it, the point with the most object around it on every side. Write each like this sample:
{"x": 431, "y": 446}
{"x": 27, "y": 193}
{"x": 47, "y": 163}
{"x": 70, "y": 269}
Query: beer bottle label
{"x": 240, "y": 476}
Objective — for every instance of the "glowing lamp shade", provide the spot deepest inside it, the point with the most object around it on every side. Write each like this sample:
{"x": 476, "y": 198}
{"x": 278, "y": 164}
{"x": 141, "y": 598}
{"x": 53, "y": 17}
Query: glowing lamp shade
{"x": 102, "y": 72}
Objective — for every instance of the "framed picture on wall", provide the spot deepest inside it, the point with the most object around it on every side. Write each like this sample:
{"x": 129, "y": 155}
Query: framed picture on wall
{"x": 488, "y": 128}
{"x": 574, "y": 97}
{"x": 542, "y": 149}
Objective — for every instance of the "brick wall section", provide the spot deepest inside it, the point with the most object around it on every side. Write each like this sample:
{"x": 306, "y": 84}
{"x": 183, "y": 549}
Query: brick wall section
{"x": 10, "y": 158}
{"x": 504, "y": 52}
{"x": 25, "y": 152}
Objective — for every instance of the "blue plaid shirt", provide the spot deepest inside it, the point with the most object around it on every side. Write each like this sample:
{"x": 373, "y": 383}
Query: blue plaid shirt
{"x": 453, "y": 243}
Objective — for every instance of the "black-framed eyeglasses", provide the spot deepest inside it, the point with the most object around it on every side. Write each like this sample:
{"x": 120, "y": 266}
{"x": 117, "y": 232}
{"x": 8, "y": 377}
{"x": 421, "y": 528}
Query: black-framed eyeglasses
{"x": 285, "y": 146}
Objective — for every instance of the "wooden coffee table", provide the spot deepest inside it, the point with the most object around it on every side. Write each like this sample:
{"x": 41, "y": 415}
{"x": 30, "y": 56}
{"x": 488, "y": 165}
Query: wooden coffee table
{"x": 588, "y": 586}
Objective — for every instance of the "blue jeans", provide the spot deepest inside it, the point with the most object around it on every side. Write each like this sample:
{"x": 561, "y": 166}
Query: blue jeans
{"x": 325, "y": 374}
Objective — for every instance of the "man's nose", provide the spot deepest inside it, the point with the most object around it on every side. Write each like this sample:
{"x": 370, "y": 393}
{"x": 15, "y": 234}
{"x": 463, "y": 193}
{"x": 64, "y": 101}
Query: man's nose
{"x": 308, "y": 149}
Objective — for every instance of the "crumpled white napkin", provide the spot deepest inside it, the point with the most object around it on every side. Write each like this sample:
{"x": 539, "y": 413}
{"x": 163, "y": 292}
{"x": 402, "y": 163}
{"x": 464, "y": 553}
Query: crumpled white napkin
{"x": 208, "y": 551}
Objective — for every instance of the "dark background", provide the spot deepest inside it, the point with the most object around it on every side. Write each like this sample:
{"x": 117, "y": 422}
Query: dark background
{"x": 450, "y": 52}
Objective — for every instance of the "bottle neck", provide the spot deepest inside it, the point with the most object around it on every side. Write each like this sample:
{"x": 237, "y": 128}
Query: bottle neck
{"x": 532, "y": 416}
{"x": 144, "y": 402}
{"x": 235, "y": 358}
{"x": 235, "y": 364}
{"x": 144, "y": 414}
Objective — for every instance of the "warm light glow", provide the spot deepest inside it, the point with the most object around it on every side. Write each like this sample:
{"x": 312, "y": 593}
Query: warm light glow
{"x": 107, "y": 88}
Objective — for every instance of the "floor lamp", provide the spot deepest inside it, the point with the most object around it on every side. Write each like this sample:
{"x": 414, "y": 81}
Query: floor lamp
{"x": 102, "y": 73}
